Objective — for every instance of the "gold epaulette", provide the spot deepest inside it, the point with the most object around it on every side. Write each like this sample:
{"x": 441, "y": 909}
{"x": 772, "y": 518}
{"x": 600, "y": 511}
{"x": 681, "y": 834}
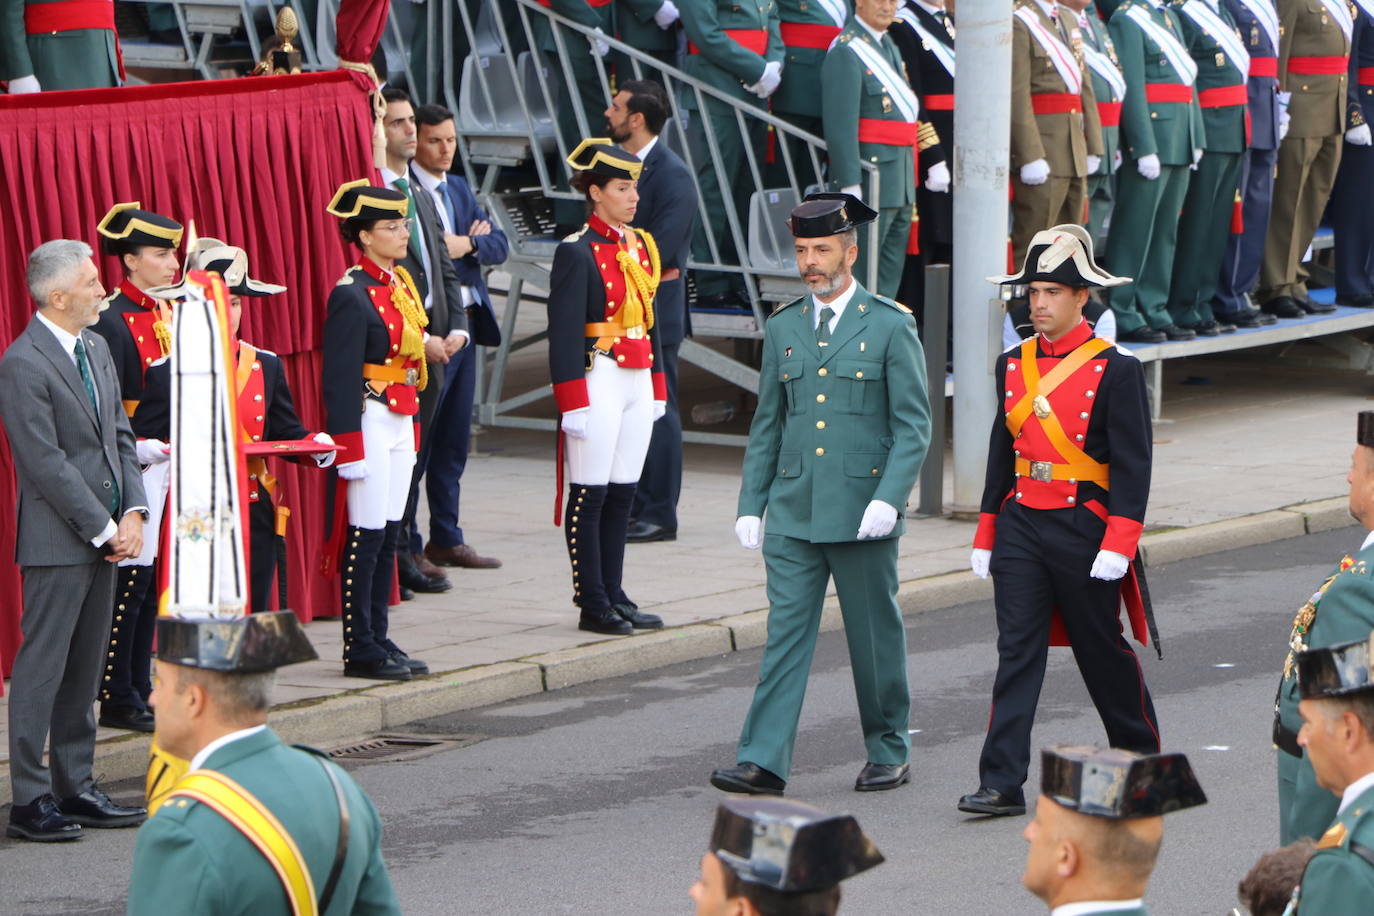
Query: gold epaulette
{"x": 347, "y": 278}
{"x": 1334, "y": 837}
{"x": 926, "y": 136}
{"x": 891, "y": 303}
{"x": 576, "y": 235}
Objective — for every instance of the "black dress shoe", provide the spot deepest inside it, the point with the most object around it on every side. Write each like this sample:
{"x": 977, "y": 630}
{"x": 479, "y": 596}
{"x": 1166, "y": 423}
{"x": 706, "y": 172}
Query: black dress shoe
{"x": 1246, "y": 319}
{"x": 41, "y": 822}
{"x": 630, "y": 613}
{"x": 93, "y": 808}
{"x": 385, "y": 669}
{"x": 414, "y": 665}
{"x": 1203, "y": 328}
{"x": 1313, "y": 307}
{"x": 126, "y": 717}
{"x": 990, "y": 801}
{"x": 1174, "y": 332}
{"x": 748, "y": 779}
{"x": 604, "y": 621}
{"x": 1284, "y": 307}
{"x": 1358, "y": 302}
{"x": 1225, "y": 327}
{"x": 416, "y": 581}
{"x": 644, "y": 532}
{"x": 407, "y": 594}
{"x": 1143, "y": 334}
{"x": 875, "y": 777}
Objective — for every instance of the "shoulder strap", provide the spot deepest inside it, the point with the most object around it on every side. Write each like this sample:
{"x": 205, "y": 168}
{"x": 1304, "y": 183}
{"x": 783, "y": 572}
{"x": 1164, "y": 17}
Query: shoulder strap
{"x": 260, "y": 826}
{"x": 1035, "y": 385}
{"x": 340, "y": 848}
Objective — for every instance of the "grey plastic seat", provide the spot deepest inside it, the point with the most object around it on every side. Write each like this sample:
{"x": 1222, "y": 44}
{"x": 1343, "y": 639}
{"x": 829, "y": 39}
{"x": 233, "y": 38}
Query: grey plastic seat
{"x": 771, "y": 207}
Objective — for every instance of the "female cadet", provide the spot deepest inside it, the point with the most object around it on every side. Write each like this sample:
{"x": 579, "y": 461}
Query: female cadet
{"x": 374, "y": 366}
{"x": 609, "y": 389}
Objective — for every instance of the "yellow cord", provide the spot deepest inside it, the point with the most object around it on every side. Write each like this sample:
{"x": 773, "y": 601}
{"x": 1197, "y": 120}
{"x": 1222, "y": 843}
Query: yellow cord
{"x": 640, "y": 287}
{"x": 406, "y": 298}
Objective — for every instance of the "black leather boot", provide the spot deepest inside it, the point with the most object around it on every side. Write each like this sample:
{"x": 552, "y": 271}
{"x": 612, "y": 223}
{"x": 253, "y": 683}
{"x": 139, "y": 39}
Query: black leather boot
{"x": 615, "y": 521}
{"x": 363, "y": 655}
{"x": 582, "y": 530}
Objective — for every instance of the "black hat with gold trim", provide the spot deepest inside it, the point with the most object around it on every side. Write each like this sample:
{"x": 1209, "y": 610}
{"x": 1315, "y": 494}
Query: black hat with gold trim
{"x": 1118, "y": 784}
{"x": 602, "y": 157}
{"x": 127, "y": 226}
{"x": 788, "y": 846}
{"x": 828, "y": 213}
{"x": 1064, "y": 255}
{"x": 361, "y": 200}
{"x": 1336, "y": 671}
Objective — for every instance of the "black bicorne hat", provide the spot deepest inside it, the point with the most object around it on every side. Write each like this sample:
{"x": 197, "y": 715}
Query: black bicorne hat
{"x": 362, "y": 200}
{"x": 600, "y": 156}
{"x": 1335, "y": 671}
{"x": 828, "y": 213}
{"x": 126, "y": 225}
{"x": 1061, "y": 254}
{"x": 788, "y": 846}
{"x": 1116, "y": 783}
{"x": 234, "y": 645}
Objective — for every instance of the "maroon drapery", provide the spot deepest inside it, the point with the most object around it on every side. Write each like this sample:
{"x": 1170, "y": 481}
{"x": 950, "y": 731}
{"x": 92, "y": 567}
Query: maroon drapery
{"x": 359, "y": 26}
{"x": 254, "y": 162}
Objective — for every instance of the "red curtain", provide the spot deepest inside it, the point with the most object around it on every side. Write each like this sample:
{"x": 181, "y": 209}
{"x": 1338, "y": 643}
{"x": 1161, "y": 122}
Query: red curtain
{"x": 253, "y": 162}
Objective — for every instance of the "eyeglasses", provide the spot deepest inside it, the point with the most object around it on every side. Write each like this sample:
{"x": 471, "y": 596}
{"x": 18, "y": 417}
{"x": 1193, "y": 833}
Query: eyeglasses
{"x": 391, "y": 227}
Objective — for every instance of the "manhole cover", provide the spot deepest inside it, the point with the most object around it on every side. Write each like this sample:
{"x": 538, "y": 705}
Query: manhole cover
{"x": 399, "y": 747}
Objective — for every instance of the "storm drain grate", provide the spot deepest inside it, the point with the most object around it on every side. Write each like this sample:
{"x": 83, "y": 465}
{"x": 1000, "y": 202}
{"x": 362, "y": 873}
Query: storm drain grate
{"x": 399, "y": 747}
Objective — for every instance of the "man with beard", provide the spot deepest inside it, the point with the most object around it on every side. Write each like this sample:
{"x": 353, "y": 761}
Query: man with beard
{"x": 837, "y": 440}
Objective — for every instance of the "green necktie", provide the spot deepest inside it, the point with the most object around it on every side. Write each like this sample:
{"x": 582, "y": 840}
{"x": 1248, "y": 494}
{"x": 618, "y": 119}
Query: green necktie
{"x": 823, "y": 329}
{"x": 84, "y": 366}
{"x": 403, "y": 185}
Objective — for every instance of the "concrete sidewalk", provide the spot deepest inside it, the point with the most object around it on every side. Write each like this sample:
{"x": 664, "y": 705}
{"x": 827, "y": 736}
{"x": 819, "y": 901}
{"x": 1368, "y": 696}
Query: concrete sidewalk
{"x": 1247, "y": 453}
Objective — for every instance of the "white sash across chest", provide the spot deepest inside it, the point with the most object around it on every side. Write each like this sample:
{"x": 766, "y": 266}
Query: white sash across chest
{"x": 836, "y": 10}
{"x": 1367, "y": 6}
{"x": 896, "y": 85}
{"x": 943, "y": 52}
{"x": 1224, "y": 35}
{"x": 1173, "y": 49}
{"x": 1341, "y": 13}
{"x": 1268, "y": 17}
{"x": 1059, "y": 53}
{"x": 1102, "y": 65}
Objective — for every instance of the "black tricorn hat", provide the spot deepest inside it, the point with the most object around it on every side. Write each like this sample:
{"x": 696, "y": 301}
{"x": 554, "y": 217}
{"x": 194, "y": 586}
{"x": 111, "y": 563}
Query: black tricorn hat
{"x": 600, "y": 156}
{"x": 1364, "y": 428}
{"x": 234, "y": 645}
{"x": 1116, "y": 783}
{"x": 788, "y": 846}
{"x": 1061, "y": 254}
{"x": 1336, "y": 671}
{"x": 362, "y": 200}
{"x": 128, "y": 226}
{"x": 828, "y": 213}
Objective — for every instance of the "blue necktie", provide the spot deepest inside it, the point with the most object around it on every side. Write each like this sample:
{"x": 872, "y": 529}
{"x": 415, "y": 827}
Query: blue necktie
{"x": 452, "y": 206}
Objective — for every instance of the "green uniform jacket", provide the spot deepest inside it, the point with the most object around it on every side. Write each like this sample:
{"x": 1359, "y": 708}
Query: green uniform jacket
{"x": 1321, "y": 101}
{"x": 1224, "y": 127}
{"x": 1095, "y": 35}
{"x": 800, "y": 92}
{"x": 1063, "y": 140}
{"x": 1169, "y": 130}
{"x": 851, "y": 92}
{"x": 582, "y": 13}
{"x": 721, "y": 62}
{"x": 1345, "y": 612}
{"x": 1339, "y": 879}
{"x": 79, "y": 59}
{"x": 836, "y": 426}
{"x": 189, "y": 859}
{"x": 634, "y": 21}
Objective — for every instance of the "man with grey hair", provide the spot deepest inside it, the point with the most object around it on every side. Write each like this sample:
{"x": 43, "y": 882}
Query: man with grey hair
{"x": 81, "y": 510}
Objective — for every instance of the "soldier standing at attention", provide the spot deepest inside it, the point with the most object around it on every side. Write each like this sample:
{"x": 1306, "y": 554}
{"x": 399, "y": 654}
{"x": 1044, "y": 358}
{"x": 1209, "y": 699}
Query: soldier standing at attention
{"x": 1109, "y": 89}
{"x": 837, "y": 440}
{"x": 924, "y": 33}
{"x": 650, "y": 26}
{"x": 808, "y": 28}
{"x": 1351, "y": 215}
{"x": 59, "y": 45}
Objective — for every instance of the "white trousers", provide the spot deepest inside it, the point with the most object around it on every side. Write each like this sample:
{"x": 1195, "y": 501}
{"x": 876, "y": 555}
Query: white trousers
{"x": 389, "y": 447}
{"x": 618, "y": 429}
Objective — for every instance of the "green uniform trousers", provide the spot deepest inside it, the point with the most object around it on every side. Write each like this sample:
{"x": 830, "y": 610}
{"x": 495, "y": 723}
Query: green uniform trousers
{"x": 1202, "y": 236}
{"x": 1101, "y": 200}
{"x": 1306, "y": 171}
{"x": 1298, "y": 821}
{"x": 1036, "y": 207}
{"x": 865, "y": 575}
{"x": 1141, "y": 241}
{"x": 739, "y": 180}
{"x": 894, "y": 229}
{"x": 803, "y": 170}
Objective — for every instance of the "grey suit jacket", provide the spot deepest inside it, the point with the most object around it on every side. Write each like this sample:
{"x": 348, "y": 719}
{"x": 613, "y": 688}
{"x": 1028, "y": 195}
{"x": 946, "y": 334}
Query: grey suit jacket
{"x": 65, "y": 458}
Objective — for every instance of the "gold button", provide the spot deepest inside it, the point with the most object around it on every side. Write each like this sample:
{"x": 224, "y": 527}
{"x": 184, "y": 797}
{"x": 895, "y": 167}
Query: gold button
{"x": 821, "y": 371}
{"x": 257, "y": 366}
{"x": 608, "y": 284}
{"x": 785, "y": 376}
{"x": 393, "y": 402}
{"x": 875, "y": 471}
{"x": 820, "y": 451}
{"x": 620, "y": 358}
{"x": 259, "y": 438}
{"x": 858, "y": 375}
{"x": 820, "y": 399}
{"x": 820, "y": 424}
{"x": 1154, "y": 114}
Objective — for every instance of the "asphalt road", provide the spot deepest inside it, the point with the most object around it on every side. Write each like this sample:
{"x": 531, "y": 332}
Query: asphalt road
{"x": 595, "y": 799}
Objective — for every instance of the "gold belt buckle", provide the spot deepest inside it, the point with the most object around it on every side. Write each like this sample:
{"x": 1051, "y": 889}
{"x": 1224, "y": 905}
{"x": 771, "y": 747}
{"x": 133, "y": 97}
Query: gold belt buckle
{"x": 1042, "y": 471}
{"x": 635, "y": 333}
{"x": 412, "y": 376}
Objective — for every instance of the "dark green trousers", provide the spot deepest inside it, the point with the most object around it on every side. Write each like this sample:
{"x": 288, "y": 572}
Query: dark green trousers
{"x": 803, "y": 170}
{"x": 1141, "y": 241}
{"x": 1101, "y": 200}
{"x": 865, "y": 574}
{"x": 894, "y": 228}
{"x": 739, "y": 181}
{"x": 1202, "y": 236}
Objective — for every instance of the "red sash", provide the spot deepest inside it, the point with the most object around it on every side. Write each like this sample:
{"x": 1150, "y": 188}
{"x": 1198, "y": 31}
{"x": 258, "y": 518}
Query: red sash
{"x": 1168, "y": 92}
{"x": 1324, "y": 65}
{"x": 887, "y": 133}
{"x": 755, "y": 40}
{"x": 808, "y": 35}
{"x": 1366, "y": 76}
{"x": 1222, "y": 96}
{"x": 1045, "y": 103}
{"x": 1109, "y": 113}
{"x": 68, "y": 16}
{"x": 939, "y": 102}
{"x": 1264, "y": 66}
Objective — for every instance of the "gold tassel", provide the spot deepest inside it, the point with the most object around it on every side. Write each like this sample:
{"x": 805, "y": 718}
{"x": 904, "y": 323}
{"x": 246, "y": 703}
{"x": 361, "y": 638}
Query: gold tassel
{"x": 640, "y": 287}
{"x": 163, "y": 335}
{"x": 406, "y": 298}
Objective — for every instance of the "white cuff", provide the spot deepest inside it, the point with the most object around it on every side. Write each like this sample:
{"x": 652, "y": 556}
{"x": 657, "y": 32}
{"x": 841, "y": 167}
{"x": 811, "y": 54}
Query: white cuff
{"x": 110, "y": 530}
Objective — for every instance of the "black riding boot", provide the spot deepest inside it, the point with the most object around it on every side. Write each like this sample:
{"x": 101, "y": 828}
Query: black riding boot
{"x": 381, "y": 599}
{"x": 582, "y": 529}
{"x": 615, "y": 520}
{"x": 364, "y": 656}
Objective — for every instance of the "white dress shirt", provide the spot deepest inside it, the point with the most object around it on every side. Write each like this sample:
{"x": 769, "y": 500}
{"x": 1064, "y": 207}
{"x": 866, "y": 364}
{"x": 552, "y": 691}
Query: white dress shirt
{"x": 204, "y": 753}
{"x": 418, "y": 229}
{"x": 1097, "y": 906}
{"x": 431, "y": 182}
{"x": 838, "y": 305}
{"x": 877, "y": 36}
{"x": 1355, "y": 790}
{"x": 644, "y": 153}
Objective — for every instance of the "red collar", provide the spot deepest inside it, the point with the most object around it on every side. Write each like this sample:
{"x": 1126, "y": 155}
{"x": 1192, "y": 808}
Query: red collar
{"x": 139, "y": 297}
{"x": 1069, "y": 342}
{"x": 371, "y": 268}
{"x": 604, "y": 229}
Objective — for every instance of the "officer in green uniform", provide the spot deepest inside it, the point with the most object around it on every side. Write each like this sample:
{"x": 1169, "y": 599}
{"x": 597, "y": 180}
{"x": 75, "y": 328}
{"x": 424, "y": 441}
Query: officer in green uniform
{"x": 202, "y": 849}
{"x": 838, "y": 437}
{"x": 1223, "y": 67}
{"x": 1341, "y": 609}
{"x": 1161, "y": 137}
{"x": 651, "y": 26}
{"x": 1099, "y": 824}
{"x": 1338, "y": 735}
{"x": 870, "y": 116}
{"x": 58, "y": 45}
{"x": 737, "y": 49}
{"x": 1109, "y": 90}
{"x": 808, "y": 27}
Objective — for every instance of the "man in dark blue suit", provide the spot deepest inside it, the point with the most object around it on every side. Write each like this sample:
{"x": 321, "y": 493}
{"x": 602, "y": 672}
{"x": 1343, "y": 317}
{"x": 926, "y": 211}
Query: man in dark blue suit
{"x": 1351, "y": 216}
{"x": 1257, "y": 21}
{"x": 473, "y": 243}
{"x": 667, "y": 210}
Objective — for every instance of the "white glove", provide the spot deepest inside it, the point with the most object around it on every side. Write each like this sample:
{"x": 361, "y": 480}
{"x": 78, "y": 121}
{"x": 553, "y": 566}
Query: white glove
{"x": 747, "y": 530}
{"x": 1034, "y": 173}
{"x": 599, "y": 46}
{"x": 660, "y": 408}
{"x": 1094, "y": 163}
{"x": 878, "y": 521}
{"x": 1197, "y": 157}
{"x": 667, "y": 14}
{"x": 152, "y": 451}
{"x": 324, "y": 459}
{"x": 937, "y": 179}
{"x": 979, "y": 561}
{"x": 353, "y": 470}
{"x": 1284, "y": 117}
{"x": 574, "y": 423}
{"x": 1148, "y": 167}
{"x": 24, "y": 84}
{"x": 768, "y": 83}
{"x": 1109, "y": 566}
{"x": 1116, "y": 160}
{"x": 854, "y": 191}
{"x": 1358, "y": 135}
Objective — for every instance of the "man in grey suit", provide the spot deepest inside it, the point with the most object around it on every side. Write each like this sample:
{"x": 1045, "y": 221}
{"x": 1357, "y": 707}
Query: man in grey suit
{"x": 81, "y": 511}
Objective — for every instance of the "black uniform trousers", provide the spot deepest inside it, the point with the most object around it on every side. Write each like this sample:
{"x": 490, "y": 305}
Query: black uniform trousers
{"x": 1353, "y": 221}
{"x": 262, "y": 551}
{"x": 127, "y": 680}
{"x": 660, "y": 483}
{"x": 429, "y": 406}
{"x": 1240, "y": 266}
{"x": 1041, "y": 560}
